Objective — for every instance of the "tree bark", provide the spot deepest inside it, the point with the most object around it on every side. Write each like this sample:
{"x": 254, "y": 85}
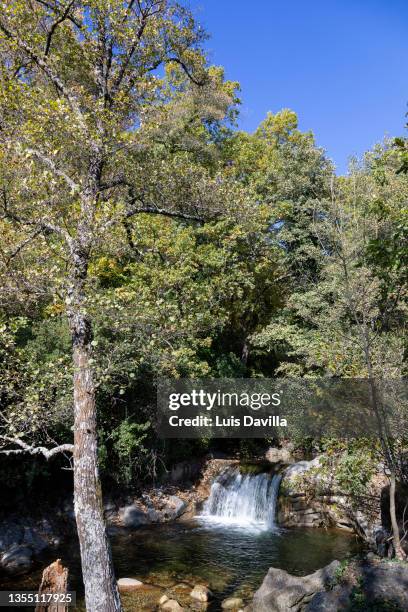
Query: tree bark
{"x": 101, "y": 590}
{"x": 396, "y": 539}
{"x": 54, "y": 580}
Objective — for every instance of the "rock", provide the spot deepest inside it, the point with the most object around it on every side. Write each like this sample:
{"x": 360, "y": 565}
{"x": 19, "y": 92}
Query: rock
{"x": 169, "y": 508}
{"x": 152, "y": 508}
{"x": 133, "y": 516}
{"x": 201, "y": 593}
{"x": 129, "y": 583}
{"x": 281, "y": 591}
{"x": 163, "y": 600}
{"x": 276, "y": 455}
{"x": 171, "y": 605}
{"x": 328, "y": 601}
{"x": 301, "y": 467}
{"x": 232, "y": 603}
{"x": 176, "y": 506}
{"x": 18, "y": 559}
{"x": 386, "y": 582}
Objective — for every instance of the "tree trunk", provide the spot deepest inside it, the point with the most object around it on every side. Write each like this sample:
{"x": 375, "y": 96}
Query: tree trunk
{"x": 396, "y": 540}
{"x": 54, "y": 580}
{"x": 101, "y": 591}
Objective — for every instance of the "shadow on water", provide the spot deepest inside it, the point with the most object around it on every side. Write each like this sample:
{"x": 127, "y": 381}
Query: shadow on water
{"x": 232, "y": 560}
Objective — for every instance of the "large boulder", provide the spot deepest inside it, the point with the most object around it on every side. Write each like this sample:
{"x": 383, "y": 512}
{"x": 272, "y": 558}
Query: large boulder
{"x": 133, "y": 516}
{"x": 386, "y": 582}
{"x": 166, "y": 508}
{"x": 335, "y": 600}
{"x": 281, "y": 591}
{"x": 156, "y": 507}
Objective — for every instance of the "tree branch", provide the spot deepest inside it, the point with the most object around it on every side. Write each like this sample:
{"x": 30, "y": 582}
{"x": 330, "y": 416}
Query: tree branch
{"x": 35, "y": 450}
{"x": 178, "y": 61}
{"x": 45, "y": 68}
{"x": 43, "y": 225}
{"x": 23, "y": 244}
{"x": 52, "y": 165}
{"x": 54, "y": 26}
{"x": 164, "y": 212}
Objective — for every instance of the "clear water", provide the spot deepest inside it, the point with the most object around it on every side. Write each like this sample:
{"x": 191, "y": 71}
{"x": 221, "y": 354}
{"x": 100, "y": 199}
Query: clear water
{"x": 230, "y": 548}
{"x": 232, "y": 560}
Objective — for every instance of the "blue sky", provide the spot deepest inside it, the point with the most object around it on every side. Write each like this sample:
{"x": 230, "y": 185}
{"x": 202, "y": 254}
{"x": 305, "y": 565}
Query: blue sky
{"x": 342, "y": 65}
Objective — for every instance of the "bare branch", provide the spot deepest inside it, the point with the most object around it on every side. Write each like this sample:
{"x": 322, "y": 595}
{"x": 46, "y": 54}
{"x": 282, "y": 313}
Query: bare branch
{"x": 56, "y": 23}
{"x": 35, "y": 450}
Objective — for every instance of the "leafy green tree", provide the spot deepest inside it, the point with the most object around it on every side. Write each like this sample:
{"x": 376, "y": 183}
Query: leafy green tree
{"x": 286, "y": 171}
{"x": 352, "y": 323}
{"x": 81, "y": 104}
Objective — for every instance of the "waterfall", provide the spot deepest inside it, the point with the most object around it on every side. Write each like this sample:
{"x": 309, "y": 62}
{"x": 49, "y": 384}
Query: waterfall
{"x": 243, "y": 499}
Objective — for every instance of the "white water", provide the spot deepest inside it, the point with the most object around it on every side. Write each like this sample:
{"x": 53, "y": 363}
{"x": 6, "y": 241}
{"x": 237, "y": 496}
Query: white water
{"x": 243, "y": 499}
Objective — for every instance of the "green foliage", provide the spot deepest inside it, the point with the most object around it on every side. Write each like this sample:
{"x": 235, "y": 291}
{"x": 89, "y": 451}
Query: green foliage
{"x": 212, "y": 252}
{"x": 128, "y": 451}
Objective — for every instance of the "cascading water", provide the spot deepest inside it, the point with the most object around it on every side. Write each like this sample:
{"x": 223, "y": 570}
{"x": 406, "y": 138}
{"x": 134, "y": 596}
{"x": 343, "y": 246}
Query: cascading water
{"x": 243, "y": 499}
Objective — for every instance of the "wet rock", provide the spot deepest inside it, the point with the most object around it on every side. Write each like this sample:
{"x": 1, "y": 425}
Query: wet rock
{"x": 17, "y": 560}
{"x": 129, "y": 583}
{"x": 201, "y": 593}
{"x": 232, "y": 603}
{"x": 281, "y": 591}
{"x": 171, "y": 605}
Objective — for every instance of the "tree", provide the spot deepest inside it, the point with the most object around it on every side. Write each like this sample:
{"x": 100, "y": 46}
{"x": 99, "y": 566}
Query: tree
{"x": 82, "y": 102}
{"x": 352, "y": 323}
{"x": 285, "y": 170}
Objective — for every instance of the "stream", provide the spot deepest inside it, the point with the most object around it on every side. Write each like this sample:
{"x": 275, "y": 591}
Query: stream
{"x": 229, "y": 547}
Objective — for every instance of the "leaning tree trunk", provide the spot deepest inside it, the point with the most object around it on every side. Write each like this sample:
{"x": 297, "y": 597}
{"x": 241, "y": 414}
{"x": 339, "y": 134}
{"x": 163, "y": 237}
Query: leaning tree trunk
{"x": 101, "y": 590}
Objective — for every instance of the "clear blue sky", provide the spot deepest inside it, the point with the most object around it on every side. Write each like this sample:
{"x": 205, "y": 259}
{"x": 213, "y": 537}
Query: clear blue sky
{"x": 342, "y": 65}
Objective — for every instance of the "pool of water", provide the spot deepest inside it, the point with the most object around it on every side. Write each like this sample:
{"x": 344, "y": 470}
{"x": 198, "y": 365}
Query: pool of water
{"x": 231, "y": 559}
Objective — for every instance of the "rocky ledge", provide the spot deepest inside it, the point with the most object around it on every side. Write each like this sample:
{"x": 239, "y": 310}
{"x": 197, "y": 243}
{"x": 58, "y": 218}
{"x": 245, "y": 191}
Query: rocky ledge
{"x": 358, "y": 584}
{"x": 308, "y": 497}
{"x": 172, "y": 501}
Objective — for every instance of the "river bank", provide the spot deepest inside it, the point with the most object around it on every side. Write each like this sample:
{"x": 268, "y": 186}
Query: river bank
{"x": 203, "y": 528}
